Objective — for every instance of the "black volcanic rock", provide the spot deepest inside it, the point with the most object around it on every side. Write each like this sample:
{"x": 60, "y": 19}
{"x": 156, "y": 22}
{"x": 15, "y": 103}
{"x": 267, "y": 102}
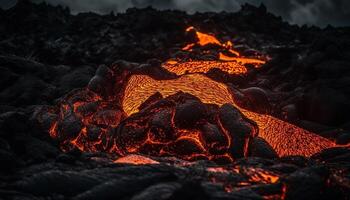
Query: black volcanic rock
{"x": 46, "y": 53}
{"x": 76, "y": 79}
{"x": 212, "y": 138}
{"x": 343, "y": 138}
{"x": 240, "y": 129}
{"x": 261, "y": 148}
{"x": 258, "y": 99}
{"x": 182, "y": 126}
{"x": 9, "y": 161}
{"x": 67, "y": 183}
{"x": 189, "y": 113}
{"x": 325, "y": 105}
{"x": 71, "y": 126}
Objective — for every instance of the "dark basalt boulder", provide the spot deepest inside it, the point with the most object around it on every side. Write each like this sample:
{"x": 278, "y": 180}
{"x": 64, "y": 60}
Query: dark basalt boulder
{"x": 213, "y": 139}
{"x": 9, "y": 161}
{"x": 308, "y": 183}
{"x": 325, "y": 105}
{"x": 343, "y": 138}
{"x": 66, "y": 183}
{"x": 331, "y": 153}
{"x": 240, "y": 129}
{"x": 261, "y": 148}
{"x": 257, "y": 99}
{"x": 69, "y": 127}
{"x": 189, "y": 113}
{"x": 101, "y": 82}
{"x": 13, "y": 122}
{"x": 182, "y": 126}
{"x": 77, "y": 78}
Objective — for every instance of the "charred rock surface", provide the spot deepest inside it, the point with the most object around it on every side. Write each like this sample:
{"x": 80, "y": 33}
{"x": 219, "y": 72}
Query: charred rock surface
{"x": 181, "y": 125}
{"x": 49, "y": 56}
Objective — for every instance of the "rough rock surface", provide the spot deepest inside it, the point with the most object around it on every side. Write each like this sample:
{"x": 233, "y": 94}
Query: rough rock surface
{"x": 45, "y": 52}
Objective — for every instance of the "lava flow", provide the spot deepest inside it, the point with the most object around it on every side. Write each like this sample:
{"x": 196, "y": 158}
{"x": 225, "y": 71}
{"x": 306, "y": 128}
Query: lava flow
{"x": 231, "y": 64}
{"x": 189, "y": 115}
{"x": 285, "y": 138}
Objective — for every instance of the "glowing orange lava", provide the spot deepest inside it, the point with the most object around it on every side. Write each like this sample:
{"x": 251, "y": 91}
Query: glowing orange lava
{"x": 285, "y": 138}
{"x": 134, "y": 159}
{"x": 181, "y": 68}
{"x": 206, "y": 39}
{"x": 231, "y": 64}
{"x": 241, "y": 60}
{"x": 251, "y": 176}
{"x": 92, "y": 122}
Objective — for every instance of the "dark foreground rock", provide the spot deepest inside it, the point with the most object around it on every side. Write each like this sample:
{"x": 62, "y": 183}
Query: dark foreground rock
{"x": 46, "y": 53}
{"x": 96, "y": 176}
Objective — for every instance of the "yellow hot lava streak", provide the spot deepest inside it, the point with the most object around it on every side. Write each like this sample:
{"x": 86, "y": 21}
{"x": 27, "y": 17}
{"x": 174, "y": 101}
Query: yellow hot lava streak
{"x": 285, "y": 138}
{"x": 182, "y": 68}
{"x": 205, "y": 39}
{"x": 230, "y": 64}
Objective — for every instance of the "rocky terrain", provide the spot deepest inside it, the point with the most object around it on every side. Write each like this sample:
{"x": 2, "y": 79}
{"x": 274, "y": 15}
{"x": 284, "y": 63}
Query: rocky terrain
{"x": 46, "y": 54}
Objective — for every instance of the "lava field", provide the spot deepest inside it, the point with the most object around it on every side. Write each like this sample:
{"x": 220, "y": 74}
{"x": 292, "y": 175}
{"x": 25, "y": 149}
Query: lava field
{"x": 163, "y": 105}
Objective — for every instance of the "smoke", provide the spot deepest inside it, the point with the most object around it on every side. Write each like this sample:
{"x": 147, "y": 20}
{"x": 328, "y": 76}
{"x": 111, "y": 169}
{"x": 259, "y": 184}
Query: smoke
{"x": 190, "y": 6}
{"x": 311, "y": 12}
{"x": 5, "y": 4}
{"x": 321, "y": 12}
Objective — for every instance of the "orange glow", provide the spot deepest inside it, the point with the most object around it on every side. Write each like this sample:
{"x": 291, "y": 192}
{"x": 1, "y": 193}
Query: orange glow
{"x": 135, "y": 159}
{"x": 242, "y": 61}
{"x": 83, "y": 140}
{"x": 251, "y": 176}
{"x": 285, "y": 138}
{"x": 97, "y": 119}
{"x": 204, "y": 39}
{"x": 188, "y": 47}
{"x": 262, "y": 176}
{"x": 182, "y": 68}
{"x": 221, "y": 170}
{"x": 172, "y": 62}
{"x": 257, "y": 175}
{"x": 232, "y": 65}
{"x": 52, "y": 130}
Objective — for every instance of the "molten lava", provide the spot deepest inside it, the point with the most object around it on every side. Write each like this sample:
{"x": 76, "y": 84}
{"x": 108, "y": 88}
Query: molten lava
{"x": 241, "y": 60}
{"x": 285, "y": 138}
{"x": 134, "y": 159}
{"x": 181, "y": 68}
{"x": 206, "y": 39}
{"x": 234, "y": 61}
{"x": 112, "y": 121}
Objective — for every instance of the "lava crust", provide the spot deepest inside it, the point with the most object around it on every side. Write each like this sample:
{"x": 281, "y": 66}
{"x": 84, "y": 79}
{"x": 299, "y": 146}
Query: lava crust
{"x": 149, "y": 104}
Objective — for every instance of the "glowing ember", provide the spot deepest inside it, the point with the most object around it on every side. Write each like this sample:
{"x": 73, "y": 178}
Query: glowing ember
{"x": 261, "y": 176}
{"x": 232, "y": 65}
{"x": 168, "y": 127}
{"x": 83, "y": 123}
{"x": 182, "y": 68}
{"x": 249, "y": 176}
{"x": 218, "y": 170}
{"x": 134, "y": 159}
{"x": 241, "y": 60}
{"x": 206, "y": 39}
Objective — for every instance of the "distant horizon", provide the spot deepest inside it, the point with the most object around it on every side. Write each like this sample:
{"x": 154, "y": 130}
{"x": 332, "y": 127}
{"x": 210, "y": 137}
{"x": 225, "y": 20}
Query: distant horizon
{"x": 319, "y": 13}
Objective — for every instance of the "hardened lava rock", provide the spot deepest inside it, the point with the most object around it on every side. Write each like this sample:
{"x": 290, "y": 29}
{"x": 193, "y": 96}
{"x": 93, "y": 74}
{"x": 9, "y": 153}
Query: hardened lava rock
{"x": 182, "y": 126}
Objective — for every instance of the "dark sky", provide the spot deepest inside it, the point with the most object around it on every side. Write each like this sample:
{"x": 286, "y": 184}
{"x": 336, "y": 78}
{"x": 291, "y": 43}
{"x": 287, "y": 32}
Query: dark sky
{"x": 312, "y": 12}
